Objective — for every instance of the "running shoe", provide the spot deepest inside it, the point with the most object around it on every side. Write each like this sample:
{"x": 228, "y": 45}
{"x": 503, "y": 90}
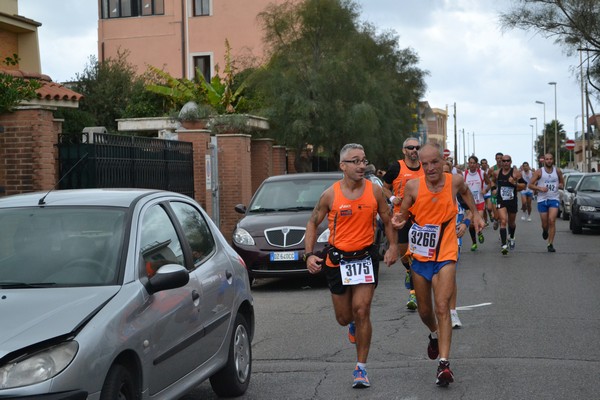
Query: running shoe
{"x": 511, "y": 243}
{"x": 528, "y": 219}
{"x": 433, "y": 350}
{"x": 407, "y": 284}
{"x": 455, "y": 320}
{"x": 551, "y": 248}
{"x": 495, "y": 226}
{"x": 444, "y": 375}
{"x": 352, "y": 333}
{"x": 361, "y": 380}
{"x": 504, "y": 249}
{"x": 412, "y": 302}
{"x": 523, "y": 218}
{"x": 480, "y": 237}
{"x": 544, "y": 234}
{"x": 474, "y": 247}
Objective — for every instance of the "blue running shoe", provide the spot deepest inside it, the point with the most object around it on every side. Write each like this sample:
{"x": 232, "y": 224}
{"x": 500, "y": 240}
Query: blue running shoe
{"x": 361, "y": 380}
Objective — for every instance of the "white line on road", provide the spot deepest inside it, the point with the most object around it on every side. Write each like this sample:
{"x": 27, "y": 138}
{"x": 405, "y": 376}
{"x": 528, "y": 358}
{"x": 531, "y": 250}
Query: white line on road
{"x": 469, "y": 308}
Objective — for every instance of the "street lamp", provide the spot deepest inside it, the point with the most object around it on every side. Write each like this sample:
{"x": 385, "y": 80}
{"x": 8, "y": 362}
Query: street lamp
{"x": 556, "y": 154}
{"x": 532, "y": 164}
{"x": 533, "y": 143}
{"x": 544, "y": 131}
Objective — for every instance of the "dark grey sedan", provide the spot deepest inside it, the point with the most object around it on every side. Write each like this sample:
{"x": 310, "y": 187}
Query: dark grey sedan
{"x": 585, "y": 210}
{"x": 119, "y": 294}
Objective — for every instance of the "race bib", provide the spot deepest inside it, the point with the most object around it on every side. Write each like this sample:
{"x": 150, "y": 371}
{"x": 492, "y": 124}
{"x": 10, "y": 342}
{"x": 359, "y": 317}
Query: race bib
{"x": 357, "y": 271}
{"x": 551, "y": 186}
{"x": 507, "y": 193}
{"x": 477, "y": 196}
{"x": 423, "y": 240}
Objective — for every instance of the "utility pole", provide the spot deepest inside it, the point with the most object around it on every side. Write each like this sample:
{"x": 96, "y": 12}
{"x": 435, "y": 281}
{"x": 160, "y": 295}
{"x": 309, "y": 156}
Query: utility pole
{"x": 455, "y": 138}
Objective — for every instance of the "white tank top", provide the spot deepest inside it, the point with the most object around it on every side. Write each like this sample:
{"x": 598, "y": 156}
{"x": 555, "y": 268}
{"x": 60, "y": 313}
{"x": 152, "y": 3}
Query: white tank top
{"x": 549, "y": 180}
{"x": 474, "y": 181}
{"x": 527, "y": 178}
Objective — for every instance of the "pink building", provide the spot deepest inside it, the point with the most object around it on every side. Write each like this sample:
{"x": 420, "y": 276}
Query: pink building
{"x": 179, "y": 35}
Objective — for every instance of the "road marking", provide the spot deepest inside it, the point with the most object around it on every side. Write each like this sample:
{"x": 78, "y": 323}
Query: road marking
{"x": 469, "y": 308}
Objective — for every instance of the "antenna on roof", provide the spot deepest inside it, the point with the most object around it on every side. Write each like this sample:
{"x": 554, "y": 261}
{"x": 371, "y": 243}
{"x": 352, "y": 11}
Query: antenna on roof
{"x": 41, "y": 202}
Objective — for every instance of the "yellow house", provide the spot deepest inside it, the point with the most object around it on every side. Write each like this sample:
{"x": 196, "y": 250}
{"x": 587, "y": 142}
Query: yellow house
{"x": 19, "y": 35}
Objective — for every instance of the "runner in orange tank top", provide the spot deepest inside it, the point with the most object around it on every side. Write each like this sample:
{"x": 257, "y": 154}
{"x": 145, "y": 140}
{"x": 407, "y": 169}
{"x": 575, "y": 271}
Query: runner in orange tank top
{"x": 394, "y": 181}
{"x": 431, "y": 203}
{"x": 351, "y": 265}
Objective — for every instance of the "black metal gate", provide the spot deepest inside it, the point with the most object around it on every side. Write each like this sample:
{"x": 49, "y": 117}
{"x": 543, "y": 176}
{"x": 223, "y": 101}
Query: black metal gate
{"x": 101, "y": 160}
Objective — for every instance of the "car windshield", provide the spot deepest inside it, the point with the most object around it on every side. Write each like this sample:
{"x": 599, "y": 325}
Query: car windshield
{"x": 289, "y": 195}
{"x": 590, "y": 184}
{"x": 60, "y": 246}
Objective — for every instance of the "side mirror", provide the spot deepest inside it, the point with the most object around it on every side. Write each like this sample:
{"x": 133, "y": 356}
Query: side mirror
{"x": 240, "y": 209}
{"x": 571, "y": 189}
{"x": 169, "y": 276}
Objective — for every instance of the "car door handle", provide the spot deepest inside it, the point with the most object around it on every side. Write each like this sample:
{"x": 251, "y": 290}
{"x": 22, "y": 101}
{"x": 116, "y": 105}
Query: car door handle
{"x": 228, "y": 274}
{"x": 195, "y": 295}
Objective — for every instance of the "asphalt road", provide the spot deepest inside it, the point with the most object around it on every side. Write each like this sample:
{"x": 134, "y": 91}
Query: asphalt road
{"x": 531, "y": 330}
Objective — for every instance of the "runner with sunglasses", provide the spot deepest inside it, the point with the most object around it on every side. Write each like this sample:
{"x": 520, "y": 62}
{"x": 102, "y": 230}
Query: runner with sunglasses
{"x": 394, "y": 182}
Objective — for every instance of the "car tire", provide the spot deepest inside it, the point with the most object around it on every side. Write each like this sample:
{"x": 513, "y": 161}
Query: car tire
{"x": 565, "y": 216}
{"x": 575, "y": 228}
{"x": 233, "y": 379}
{"x": 119, "y": 384}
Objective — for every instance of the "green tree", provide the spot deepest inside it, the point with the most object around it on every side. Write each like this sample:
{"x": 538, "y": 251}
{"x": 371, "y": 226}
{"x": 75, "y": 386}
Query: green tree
{"x": 574, "y": 24}
{"x": 14, "y": 90}
{"x": 563, "y": 157}
{"x": 330, "y": 80}
{"x": 111, "y": 91}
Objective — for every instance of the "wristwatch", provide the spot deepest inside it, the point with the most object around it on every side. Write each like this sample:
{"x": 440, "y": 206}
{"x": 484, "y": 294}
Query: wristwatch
{"x": 306, "y": 255}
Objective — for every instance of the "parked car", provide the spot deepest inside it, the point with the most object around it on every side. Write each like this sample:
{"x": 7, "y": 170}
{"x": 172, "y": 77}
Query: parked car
{"x": 119, "y": 294}
{"x": 270, "y": 236}
{"x": 566, "y": 197}
{"x": 585, "y": 209}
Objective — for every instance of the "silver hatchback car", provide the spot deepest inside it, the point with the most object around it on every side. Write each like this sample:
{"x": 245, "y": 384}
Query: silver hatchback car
{"x": 119, "y": 294}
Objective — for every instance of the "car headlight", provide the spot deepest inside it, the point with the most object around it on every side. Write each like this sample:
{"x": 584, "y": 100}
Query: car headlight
{"x": 241, "y": 236}
{"x": 38, "y": 367}
{"x": 323, "y": 237}
{"x": 587, "y": 208}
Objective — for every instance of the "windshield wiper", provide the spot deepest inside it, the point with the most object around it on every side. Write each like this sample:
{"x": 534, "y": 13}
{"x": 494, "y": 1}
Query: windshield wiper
{"x": 296, "y": 208}
{"x": 24, "y": 285}
{"x": 259, "y": 210}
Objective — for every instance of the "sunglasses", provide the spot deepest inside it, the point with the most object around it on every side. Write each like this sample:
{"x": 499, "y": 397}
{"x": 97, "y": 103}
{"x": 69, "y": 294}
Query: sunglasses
{"x": 506, "y": 160}
{"x": 412, "y": 147}
{"x": 356, "y": 161}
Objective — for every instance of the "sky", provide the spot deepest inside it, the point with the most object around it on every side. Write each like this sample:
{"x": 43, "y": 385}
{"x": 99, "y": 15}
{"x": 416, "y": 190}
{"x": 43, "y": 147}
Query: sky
{"x": 493, "y": 76}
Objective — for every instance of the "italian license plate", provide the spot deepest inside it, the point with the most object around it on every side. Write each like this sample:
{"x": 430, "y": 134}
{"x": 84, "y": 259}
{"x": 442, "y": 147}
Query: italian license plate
{"x": 284, "y": 256}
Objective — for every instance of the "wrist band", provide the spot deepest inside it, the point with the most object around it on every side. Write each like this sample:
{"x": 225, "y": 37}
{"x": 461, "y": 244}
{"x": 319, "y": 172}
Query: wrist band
{"x": 392, "y": 198}
{"x": 467, "y": 222}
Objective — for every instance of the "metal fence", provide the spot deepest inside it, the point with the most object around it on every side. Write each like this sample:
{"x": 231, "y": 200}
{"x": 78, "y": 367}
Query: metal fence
{"x": 101, "y": 160}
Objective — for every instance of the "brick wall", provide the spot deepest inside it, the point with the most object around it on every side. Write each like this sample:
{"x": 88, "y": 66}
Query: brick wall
{"x": 279, "y": 160}
{"x": 261, "y": 161}
{"x": 27, "y": 151}
{"x": 200, "y": 139}
{"x": 235, "y": 180}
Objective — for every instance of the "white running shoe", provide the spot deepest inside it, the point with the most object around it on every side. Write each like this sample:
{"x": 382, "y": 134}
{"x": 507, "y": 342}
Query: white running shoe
{"x": 455, "y": 320}
{"x": 529, "y": 219}
{"x": 523, "y": 218}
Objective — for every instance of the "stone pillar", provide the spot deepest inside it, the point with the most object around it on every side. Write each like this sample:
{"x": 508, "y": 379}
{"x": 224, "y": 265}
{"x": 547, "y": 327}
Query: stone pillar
{"x": 235, "y": 178}
{"x": 262, "y": 161}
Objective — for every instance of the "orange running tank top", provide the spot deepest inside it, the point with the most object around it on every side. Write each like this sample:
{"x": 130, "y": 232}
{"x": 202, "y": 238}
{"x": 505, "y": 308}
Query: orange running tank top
{"x": 404, "y": 175}
{"x": 437, "y": 209}
{"x": 352, "y": 222}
